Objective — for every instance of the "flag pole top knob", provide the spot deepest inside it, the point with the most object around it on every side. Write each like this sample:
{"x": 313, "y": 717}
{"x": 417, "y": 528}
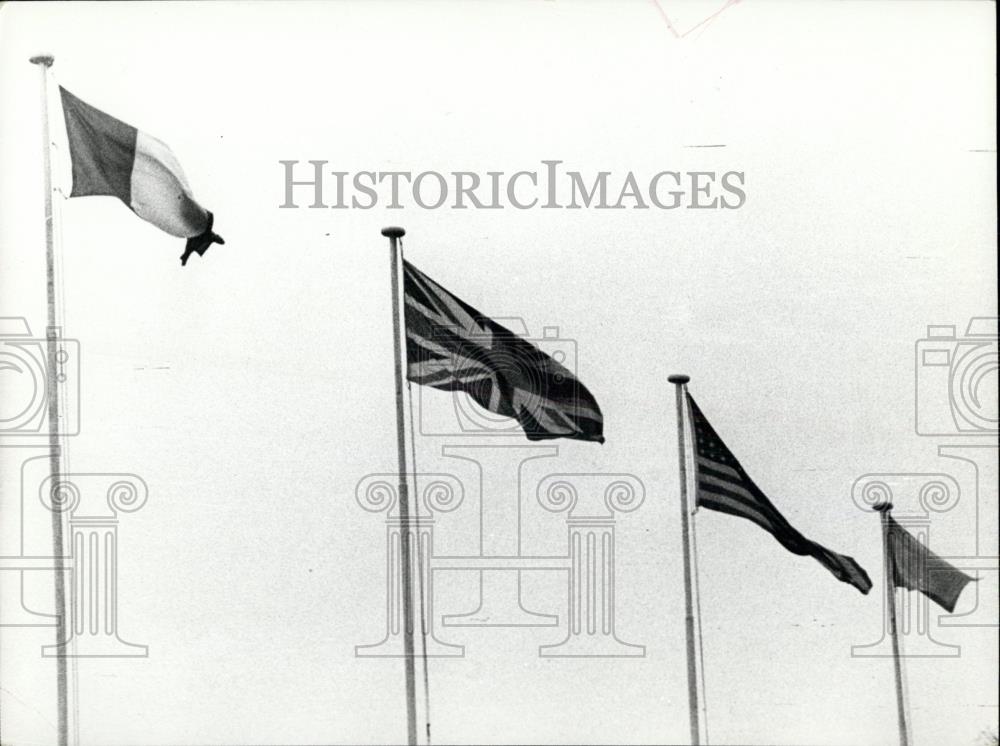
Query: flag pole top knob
{"x": 678, "y": 378}
{"x": 393, "y": 232}
{"x": 42, "y": 59}
{"x": 882, "y": 507}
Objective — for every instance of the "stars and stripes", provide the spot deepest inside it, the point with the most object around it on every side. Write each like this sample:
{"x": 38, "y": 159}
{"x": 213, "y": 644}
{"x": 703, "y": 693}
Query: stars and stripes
{"x": 915, "y": 567}
{"x": 723, "y": 485}
{"x": 452, "y": 346}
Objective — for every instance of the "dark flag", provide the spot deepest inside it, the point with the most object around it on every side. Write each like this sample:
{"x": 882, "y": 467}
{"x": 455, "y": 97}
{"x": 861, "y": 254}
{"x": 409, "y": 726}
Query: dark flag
{"x": 915, "y": 567}
{"x": 452, "y": 346}
{"x": 114, "y": 159}
{"x": 723, "y": 485}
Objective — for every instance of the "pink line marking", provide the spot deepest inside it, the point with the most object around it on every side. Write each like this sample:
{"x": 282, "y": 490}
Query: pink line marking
{"x": 704, "y": 22}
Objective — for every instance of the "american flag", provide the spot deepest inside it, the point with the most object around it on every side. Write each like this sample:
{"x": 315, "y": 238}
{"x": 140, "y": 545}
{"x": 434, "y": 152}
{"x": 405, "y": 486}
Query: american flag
{"x": 452, "y": 346}
{"x": 723, "y": 485}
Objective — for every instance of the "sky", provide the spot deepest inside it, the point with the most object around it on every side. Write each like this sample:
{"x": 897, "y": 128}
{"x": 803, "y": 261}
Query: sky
{"x": 252, "y": 390}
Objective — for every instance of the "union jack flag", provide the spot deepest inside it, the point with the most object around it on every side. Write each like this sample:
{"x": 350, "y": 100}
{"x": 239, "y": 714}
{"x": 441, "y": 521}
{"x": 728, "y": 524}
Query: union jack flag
{"x": 452, "y": 346}
{"x": 723, "y": 485}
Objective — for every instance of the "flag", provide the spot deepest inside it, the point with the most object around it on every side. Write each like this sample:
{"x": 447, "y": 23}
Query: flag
{"x": 111, "y": 158}
{"x": 915, "y": 567}
{"x": 723, "y": 485}
{"x": 452, "y": 346}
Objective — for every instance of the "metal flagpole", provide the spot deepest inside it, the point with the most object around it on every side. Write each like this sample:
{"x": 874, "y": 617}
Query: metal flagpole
{"x": 697, "y": 611}
{"x": 399, "y": 342}
{"x": 44, "y": 63}
{"x": 890, "y": 596}
{"x": 421, "y": 547}
{"x": 421, "y": 570}
{"x": 679, "y": 382}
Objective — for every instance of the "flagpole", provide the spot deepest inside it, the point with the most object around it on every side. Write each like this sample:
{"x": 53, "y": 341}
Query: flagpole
{"x": 44, "y": 63}
{"x": 399, "y": 340}
{"x": 680, "y": 382}
{"x": 890, "y": 591}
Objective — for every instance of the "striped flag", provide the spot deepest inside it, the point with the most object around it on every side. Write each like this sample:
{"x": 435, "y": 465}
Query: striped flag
{"x": 111, "y": 158}
{"x": 915, "y": 567}
{"x": 723, "y": 485}
{"x": 452, "y": 346}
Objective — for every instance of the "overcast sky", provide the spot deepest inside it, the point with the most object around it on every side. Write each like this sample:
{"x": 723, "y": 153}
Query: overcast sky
{"x": 253, "y": 389}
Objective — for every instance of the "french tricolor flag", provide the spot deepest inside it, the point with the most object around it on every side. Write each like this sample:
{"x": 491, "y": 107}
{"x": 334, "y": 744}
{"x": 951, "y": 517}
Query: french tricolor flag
{"x": 115, "y": 159}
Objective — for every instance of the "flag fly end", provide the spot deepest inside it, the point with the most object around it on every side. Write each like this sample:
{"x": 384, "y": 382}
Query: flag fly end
{"x": 200, "y": 244}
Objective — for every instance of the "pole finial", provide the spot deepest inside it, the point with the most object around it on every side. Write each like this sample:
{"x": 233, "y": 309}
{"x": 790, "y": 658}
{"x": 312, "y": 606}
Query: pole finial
{"x": 42, "y": 59}
{"x": 882, "y": 507}
{"x": 679, "y": 378}
{"x": 393, "y": 232}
